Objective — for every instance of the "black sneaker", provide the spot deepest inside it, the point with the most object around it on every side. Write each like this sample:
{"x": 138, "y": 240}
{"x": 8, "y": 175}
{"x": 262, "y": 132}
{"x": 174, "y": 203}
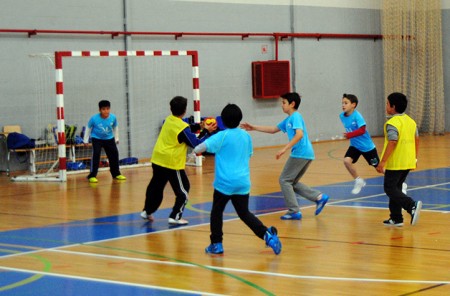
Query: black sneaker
{"x": 415, "y": 212}
{"x": 391, "y": 222}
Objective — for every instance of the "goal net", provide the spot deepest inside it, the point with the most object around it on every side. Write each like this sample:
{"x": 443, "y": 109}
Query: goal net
{"x": 413, "y": 61}
{"x": 139, "y": 85}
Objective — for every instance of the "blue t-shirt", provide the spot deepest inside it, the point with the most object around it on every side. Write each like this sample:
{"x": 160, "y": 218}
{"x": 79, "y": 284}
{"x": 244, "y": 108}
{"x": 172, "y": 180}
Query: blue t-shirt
{"x": 303, "y": 148}
{"x": 102, "y": 128}
{"x": 353, "y": 122}
{"x": 233, "y": 148}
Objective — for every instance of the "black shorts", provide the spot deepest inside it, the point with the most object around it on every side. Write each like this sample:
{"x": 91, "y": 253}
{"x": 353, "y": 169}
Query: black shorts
{"x": 371, "y": 156}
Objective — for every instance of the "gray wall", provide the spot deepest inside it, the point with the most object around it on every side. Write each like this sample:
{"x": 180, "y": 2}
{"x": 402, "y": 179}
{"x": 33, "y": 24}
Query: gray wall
{"x": 322, "y": 70}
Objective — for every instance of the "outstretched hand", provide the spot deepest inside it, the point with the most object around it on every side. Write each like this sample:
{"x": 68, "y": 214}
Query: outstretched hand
{"x": 247, "y": 126}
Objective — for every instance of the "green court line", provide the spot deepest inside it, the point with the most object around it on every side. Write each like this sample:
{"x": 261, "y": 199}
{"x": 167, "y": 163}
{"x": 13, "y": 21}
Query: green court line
{"x": 33, "y": 278}
{"x": 261, "y": 289}
{"x": 48, "y": 265}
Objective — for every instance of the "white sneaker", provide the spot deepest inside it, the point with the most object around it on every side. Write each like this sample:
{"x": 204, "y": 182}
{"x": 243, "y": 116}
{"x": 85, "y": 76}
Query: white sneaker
{"x": 404, "y": 188}
{"x": 359, "y": 184}
{"x": 415, "y": 212}
{"x": 178, "y": 222}
{"x": 145, "y": 216}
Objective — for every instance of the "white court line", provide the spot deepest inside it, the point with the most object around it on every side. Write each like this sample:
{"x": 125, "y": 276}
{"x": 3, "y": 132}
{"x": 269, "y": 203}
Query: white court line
{"x": 102, "y": 241}
{"x": 246, "y": 271}
{"x": 59, "y": 249}
{"x": 104, "y": 281}
{"x": 190, "y": 226}
{"x": 380, "y": 194}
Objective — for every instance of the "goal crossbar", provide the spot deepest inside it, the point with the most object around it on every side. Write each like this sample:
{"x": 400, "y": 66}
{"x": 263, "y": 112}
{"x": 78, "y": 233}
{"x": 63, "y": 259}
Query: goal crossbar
{"x": 59, "y": 56}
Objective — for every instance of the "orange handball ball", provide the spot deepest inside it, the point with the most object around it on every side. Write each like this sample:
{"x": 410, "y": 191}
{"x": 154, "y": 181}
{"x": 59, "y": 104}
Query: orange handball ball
{"x": 210, "y": 121}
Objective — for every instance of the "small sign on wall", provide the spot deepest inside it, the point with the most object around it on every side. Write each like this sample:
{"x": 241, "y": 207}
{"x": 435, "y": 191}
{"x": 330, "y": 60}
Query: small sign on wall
{"x": 264, "y": 48}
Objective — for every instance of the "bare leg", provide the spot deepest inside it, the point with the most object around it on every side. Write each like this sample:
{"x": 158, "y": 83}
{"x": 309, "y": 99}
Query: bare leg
{"x": 348, "y": 162}
{"x": 359, "y": 182}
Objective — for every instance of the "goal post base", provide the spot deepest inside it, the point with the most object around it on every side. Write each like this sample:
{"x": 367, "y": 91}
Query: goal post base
{"x": 54, "y": 177}
{"x": 34, "y": 178}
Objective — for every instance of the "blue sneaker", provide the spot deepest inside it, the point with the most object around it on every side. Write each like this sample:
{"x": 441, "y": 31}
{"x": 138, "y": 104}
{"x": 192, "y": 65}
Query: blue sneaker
{"x": 292, "y": 216}
{"x": 216, "y": 248}
{"x": 272, "y": 240}
{"x": 321, "y": 203}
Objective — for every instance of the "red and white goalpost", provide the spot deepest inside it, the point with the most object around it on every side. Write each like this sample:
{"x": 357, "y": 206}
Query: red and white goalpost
{"x": 60, "y": 165}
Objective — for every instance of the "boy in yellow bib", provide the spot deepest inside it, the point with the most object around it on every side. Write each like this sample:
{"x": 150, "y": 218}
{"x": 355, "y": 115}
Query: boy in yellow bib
{"x": 169, "y": 160}
{"x": 398, "y": 158}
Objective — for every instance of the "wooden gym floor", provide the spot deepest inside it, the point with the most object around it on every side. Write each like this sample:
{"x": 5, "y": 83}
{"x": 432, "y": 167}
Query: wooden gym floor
{"x": 75, "y": 238}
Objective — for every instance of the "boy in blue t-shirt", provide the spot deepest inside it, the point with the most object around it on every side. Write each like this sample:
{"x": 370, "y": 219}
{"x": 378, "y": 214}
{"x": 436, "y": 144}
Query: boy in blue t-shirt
{"x": 360, "y": 141}
{"x": 104, "y": 132}
{"x": 233, "y": 148}
{"x": 302, "y": 154}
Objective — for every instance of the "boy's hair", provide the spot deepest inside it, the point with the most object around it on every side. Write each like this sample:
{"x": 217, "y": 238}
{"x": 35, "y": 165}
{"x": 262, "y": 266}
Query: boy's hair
{"x": 178, "y": 105}
{"x": 293, "y": 97}
{"x": 104, "y": 103}
{"x": 231, "y": 115}
{"x": 352, "y": 98}
{"x": 398, "y": 101}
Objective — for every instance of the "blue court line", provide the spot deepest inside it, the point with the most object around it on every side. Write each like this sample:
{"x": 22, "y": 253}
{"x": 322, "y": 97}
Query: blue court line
{"x": 431, "y": 186}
